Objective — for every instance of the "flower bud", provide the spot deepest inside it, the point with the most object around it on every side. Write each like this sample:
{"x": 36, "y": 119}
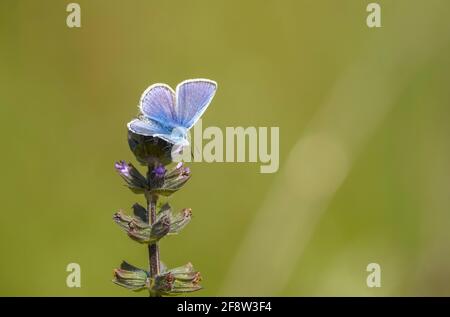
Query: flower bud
{"x": 159, "y": 171}
{"x": 135, "y": 180}
{"x": 173, "y": 180}
{"x": 156, "y": 176}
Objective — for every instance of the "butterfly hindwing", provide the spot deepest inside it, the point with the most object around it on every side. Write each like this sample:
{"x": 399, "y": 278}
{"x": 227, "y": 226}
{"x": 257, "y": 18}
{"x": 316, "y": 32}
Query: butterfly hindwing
{"x": 147, "y": 127}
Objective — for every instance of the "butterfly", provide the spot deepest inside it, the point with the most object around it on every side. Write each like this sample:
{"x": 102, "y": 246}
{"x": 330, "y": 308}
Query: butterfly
{"x": 169, "y": 114}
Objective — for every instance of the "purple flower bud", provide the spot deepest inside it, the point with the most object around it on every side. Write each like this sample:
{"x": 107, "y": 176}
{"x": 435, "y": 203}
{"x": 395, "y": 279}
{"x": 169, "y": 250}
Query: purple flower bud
{"x": 135, "y": 180}
{"x": 166, "y": 182}
{"x": 159, "y": 171}
{"x": 123, "y": 168}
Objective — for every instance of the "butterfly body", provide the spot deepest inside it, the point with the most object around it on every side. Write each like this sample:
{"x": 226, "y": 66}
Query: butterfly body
{"x": 169, "y": 114}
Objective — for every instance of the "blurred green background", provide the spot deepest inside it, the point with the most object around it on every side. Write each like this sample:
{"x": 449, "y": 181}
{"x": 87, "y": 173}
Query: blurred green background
{"x": 364, "y": 143}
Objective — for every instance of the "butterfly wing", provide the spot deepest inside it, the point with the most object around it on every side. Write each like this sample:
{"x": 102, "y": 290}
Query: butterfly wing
{"x": 192, "y": 99}
{"x": 158, "y": 104}
{"x": 149, "y": 127}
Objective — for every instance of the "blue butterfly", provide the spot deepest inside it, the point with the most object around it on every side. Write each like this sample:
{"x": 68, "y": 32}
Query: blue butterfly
{"x": 169, "y": 114}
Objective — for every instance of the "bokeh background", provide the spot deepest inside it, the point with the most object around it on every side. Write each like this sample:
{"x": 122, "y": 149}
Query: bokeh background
{"x": 364, "y": 143}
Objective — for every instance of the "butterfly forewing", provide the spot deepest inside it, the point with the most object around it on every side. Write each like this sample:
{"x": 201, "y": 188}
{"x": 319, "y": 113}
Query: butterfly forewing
{"x": 158, "y": 103}
{"x": 192, "y": 99}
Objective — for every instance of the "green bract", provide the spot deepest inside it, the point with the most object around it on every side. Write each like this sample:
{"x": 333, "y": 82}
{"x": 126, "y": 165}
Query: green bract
{"x": 138, "y": 228}
{"x": 172, "y": 282}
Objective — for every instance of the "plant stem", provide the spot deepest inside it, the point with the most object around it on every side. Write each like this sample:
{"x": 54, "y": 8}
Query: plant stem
{"x": 153, "y": 250}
